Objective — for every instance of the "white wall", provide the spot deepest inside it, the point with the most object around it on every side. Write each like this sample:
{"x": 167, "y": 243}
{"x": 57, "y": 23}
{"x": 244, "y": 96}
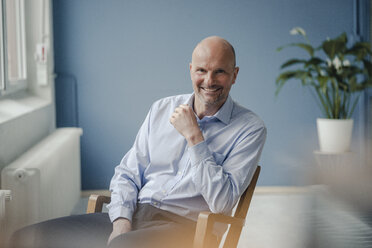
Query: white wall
{"x": 29, "y": 116}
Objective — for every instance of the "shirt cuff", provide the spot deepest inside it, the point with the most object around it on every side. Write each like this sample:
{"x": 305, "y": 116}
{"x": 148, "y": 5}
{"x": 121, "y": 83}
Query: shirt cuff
{"x": 120, "y": 212}
{"x": 199, "y": 152}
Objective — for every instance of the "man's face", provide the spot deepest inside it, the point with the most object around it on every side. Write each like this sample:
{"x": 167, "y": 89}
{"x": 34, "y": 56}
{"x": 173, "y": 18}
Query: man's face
{"x": 212, "y": 73}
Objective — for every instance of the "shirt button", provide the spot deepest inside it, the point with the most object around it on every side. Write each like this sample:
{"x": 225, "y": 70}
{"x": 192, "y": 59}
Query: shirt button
{"x": 164, "y": 191}
{"x": 155, "y": 203}
{"x": 179, "y": 173}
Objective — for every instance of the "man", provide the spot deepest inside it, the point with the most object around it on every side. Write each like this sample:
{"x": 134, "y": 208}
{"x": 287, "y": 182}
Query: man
{"x": 193, "y": 153}
{"x": 200, "y": 157}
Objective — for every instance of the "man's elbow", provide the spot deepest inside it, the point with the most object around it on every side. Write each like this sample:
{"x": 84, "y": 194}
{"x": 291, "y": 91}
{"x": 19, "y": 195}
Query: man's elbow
{"x": 222, "y": 206}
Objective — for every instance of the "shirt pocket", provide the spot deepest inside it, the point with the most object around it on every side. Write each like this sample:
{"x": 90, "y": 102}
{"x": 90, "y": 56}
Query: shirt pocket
{"x": 219, "y": 158}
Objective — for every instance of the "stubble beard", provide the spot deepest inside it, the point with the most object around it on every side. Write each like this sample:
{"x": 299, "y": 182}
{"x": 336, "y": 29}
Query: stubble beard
{"x": 211, "y": 103}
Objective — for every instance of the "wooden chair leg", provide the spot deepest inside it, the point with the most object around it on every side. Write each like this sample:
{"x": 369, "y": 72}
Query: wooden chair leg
{"x": 203, "y": 231}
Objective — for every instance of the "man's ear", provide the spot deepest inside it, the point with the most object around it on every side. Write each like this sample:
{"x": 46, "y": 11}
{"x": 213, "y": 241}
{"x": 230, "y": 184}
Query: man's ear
{"x": 190, "y": 66}
{"x": 236, "y": 71}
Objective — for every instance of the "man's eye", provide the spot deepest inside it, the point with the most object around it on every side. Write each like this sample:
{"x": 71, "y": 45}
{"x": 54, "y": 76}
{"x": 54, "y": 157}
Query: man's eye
{"x": 220, "y": 71}
{"x": 200, "y": 70}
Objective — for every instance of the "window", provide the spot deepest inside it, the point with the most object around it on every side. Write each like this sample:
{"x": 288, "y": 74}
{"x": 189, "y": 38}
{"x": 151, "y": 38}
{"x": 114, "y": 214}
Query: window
{"x": 13, "y": 46}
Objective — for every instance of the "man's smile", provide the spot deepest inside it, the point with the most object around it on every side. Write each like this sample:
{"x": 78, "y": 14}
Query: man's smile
{"x": 211, "y": 90}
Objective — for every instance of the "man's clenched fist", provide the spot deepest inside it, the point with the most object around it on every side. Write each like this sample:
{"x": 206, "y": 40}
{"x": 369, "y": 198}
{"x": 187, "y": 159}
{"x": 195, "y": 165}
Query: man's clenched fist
{"x": 184, "y": 120}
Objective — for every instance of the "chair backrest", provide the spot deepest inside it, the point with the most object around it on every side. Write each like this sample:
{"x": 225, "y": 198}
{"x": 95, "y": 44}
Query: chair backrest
{"x": 234, "y": 232}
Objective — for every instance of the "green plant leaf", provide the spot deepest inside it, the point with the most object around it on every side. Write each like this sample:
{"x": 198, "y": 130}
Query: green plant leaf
{"x": 285, "y": 76}
{"x": 342, "y": 38}
{"x": 292, "y": 62}
{"x": 365, "y": 46}
{"x": 364, "y": 85}
{"x": 282, "y": 79}
{"x": 323, "y": 83}
{"x": 334, "y": 46}
{"x": 368, "y": 67}
{"x": 304, "y": 46}
{"x": 353, "y": 84}
{"x": 314, "y": 61}
{"x": 350, "y": 71}
{"x": 360, "y": 50}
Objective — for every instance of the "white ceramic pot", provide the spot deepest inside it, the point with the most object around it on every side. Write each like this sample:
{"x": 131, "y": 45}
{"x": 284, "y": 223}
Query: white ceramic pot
{"x": 334, "y": 135}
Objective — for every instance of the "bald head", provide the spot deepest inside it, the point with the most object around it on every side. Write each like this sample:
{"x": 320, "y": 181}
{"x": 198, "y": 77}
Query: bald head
{"x": 212, "y": 72}
{"x": 216, "y": 44}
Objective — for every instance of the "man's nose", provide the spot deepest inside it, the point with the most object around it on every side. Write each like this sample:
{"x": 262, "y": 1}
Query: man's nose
{"x": 209, "y": 80}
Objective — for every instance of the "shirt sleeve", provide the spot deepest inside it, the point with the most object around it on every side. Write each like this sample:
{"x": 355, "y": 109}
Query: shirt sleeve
{"x": 221, "y": 185}
{"x": 127, "y": 180}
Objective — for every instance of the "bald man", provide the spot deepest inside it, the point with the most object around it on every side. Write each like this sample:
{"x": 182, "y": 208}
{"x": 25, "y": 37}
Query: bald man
{"x": 194, "y": 152}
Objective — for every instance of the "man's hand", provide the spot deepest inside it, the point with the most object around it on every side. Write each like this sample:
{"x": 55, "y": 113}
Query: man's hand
{"x": 120, "y": 226}
{"x": 184, "y": 120}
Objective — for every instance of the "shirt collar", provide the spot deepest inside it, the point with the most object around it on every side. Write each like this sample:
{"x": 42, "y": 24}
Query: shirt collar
{"x": 223, "y": 114}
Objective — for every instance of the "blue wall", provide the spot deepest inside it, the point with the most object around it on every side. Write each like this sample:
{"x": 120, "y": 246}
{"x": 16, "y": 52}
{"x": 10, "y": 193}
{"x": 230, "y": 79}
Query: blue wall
{"x": 123, "y": 55}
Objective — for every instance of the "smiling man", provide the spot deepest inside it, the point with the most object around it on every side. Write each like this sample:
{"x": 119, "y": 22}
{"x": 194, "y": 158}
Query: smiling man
{"x": 194, "y": 152}
{"x": 213, "y": 72}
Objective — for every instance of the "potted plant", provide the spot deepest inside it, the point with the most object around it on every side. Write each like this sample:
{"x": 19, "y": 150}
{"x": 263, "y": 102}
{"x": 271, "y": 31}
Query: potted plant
{"x": 337, "y": 76}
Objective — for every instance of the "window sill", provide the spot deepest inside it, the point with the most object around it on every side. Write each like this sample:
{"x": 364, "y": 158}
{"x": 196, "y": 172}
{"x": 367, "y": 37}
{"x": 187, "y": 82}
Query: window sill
{"x": 20, "y": 104}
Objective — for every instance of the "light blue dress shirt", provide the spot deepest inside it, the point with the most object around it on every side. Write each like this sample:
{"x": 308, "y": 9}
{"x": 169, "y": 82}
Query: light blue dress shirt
{"x": 160, "y": 168}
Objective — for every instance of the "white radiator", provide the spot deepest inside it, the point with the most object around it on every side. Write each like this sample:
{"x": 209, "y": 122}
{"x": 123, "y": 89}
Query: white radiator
{"x": 5, "y": 196}
{"x": 45, "y": 181}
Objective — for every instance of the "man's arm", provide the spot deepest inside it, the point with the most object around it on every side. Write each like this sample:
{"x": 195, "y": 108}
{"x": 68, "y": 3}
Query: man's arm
{"x": 120, "y": 226}
{"x": 220, "y": 185}
{"x": 127, "y": 181}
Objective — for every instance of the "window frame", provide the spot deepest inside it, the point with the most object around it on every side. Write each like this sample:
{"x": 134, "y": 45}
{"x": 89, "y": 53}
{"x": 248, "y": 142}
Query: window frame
{"x": 7, "y": 85}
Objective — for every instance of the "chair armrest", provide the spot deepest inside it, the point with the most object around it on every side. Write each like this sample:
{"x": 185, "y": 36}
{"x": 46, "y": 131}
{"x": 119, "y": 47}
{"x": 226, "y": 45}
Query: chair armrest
{"x": 221, "y": 218}
{"x": 204, "y": 226}
{"x": 95, "y": 203}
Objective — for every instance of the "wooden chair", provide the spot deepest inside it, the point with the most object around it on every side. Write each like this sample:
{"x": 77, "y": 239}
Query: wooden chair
{"x": 206, "y": 220}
